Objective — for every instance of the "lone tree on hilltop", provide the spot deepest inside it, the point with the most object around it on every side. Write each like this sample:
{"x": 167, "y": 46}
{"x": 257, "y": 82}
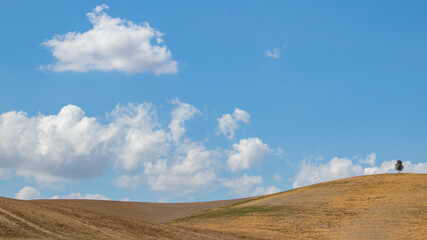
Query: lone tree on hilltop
{"x": 399, "y": 166}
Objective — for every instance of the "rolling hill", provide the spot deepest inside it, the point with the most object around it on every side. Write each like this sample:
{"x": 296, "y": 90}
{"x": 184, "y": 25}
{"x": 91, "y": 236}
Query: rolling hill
{"x": 386, "y": 206}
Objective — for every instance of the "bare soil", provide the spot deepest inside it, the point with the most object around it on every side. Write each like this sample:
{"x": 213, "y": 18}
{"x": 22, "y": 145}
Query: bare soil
{"x": 54, "y": 220}
{"x": 386, "y": 206}
{"x": 142, "y": 211}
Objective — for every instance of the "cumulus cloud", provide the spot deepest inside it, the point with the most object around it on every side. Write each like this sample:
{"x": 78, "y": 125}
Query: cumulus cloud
{"x": 370, "y": 159}
{"x": 242, "y": 186}
{"x": 228, "y": 123}
{"x": 246, "y": 153}
{"x": 337, "y": 168}
{"x": 182, "y": 166}
{"x": 334, "y": 169}
{"x": 136, "y": 136}
{"x": 180, "y": 114}
{"x": 192, "y": 168}
{"x": 275, "y": 53}
{"x": 389, "y": 167}
{"x": 70, "y": 146}
{"x": 27, "y": 193}
{"x": 113, "y": 44}
{"x": 245, "y": 186}
{"x": 78, "y": 195}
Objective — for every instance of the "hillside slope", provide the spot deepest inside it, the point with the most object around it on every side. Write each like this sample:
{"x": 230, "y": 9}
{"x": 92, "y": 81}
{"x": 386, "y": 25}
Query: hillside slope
{"x": 142, "y": 211}
{"x": 386, "y": 206}
{"x": 50, "y": 220}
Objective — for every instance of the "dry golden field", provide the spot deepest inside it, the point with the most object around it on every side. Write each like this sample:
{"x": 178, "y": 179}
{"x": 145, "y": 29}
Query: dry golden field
{"x": 53, "y": 219}
{"x": 386, "y": 206}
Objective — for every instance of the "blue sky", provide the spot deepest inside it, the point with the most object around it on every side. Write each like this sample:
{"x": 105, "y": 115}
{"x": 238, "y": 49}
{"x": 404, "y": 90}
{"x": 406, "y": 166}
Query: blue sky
{"x": 209, "y": 100}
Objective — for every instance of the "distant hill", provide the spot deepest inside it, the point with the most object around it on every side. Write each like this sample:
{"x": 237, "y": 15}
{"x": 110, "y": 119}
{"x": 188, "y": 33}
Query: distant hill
{"x": 386, "y": 206}
{"x": 97, "y": 219}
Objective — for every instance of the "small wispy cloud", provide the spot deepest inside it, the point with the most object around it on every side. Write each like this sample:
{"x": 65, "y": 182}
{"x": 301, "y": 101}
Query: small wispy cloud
{"x": 275, "y": 53}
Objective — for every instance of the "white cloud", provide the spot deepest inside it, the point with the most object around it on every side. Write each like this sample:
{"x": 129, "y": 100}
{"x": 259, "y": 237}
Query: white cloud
{"x": 78, "y": 195}
{"x": 112, "y": 44}
{"x": 5, "y": 174}
{"x": 70, "y": 146}
{"x": 370, "y": 159}
{"x": 136, "y": 136}
{"x": 337, "y": 168}
{"x": 242, "y": 186}
{"x": 275, "y": 53}
{"x": 246, "y": 186}
{"x": 247, "y": 153}
{"x": 192, "y": 168}
{"x": 389, "y": 167}
{"x": 182, "y": 167}
{"x": 180, "y": 114}
{"x": 65, "y": 146}
{"x": 27, "y": 193}
{"x": 228, "y": 123}
{"x": 334, "y": 169}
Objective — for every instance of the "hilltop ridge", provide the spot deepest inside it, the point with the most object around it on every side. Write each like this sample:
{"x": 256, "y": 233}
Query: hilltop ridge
{"x": 384, "y": 206}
